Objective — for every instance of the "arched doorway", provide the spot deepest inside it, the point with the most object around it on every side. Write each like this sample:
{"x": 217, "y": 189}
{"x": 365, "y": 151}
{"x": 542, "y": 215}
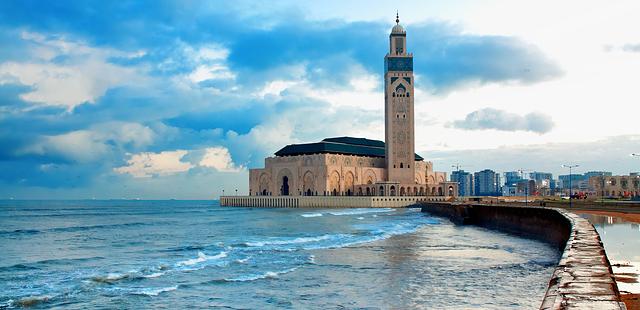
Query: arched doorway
{"x": 440, "y": 193}
{"x": 348, "y": 192}
{"x": 309, "y": 192}
{"x": 392, "y": 191}
{"x": 450, "y": 190}
{"x": 360, "y": 191}
{"x": 402, "y": 191}
{"x": 264, "y": 192}
{"x": 381, "y": 190}
{"x": 334, "y": 192}
{"x": 284, "y": 191}
{"x": 368, "y": 191}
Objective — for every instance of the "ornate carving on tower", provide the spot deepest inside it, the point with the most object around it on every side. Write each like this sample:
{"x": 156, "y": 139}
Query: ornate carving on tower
{"x": 399, "y": 122}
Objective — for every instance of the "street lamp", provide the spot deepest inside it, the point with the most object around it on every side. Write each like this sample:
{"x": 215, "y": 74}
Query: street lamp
{"x": 526, "y": 188}
{"x": 236, "y": 192}
{"x": 570, "y": 187}
{"x": 457, "y": 166}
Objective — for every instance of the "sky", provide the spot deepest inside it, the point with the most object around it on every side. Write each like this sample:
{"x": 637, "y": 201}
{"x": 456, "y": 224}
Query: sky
{"x": 179, "y": 99}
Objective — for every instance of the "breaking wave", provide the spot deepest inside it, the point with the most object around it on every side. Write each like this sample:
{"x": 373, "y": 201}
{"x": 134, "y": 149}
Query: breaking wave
{"x": 288, "y": 241}
{"x": 254, "y": 277}
{"x": 361, "y": 211}
{"x": 155, "y": 291}
{"x": 201, "y": 258}
{"x": 311, "y": 214}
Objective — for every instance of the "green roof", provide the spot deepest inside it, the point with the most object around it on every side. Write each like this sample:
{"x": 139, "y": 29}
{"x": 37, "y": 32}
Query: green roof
{"x": 339, "y": 145}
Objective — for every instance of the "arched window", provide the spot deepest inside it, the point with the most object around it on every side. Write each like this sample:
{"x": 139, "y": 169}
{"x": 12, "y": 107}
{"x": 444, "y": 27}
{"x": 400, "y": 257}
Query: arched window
{"x": 401, "y": 165}
{"x": 381, "y": 190}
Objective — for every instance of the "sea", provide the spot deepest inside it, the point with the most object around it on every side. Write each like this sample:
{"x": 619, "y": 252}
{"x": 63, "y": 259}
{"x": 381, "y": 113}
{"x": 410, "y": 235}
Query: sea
{"x": 120, "y": 254}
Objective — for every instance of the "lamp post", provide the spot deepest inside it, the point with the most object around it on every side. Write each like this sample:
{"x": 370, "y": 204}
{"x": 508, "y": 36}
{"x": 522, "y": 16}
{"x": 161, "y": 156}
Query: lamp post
{"x": 526, "y": 188}
{"x": 570, "y": 186}
{"x": 236, "y": 192}
{"x": 457, "y": 166}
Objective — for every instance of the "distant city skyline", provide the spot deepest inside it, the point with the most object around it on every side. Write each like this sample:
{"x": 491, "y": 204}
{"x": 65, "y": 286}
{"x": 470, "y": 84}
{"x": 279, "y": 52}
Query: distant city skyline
{"x": 180, "y": 99}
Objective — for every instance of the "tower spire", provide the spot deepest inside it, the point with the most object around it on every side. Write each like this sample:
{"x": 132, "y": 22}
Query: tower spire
{"x": 397, "y": 18}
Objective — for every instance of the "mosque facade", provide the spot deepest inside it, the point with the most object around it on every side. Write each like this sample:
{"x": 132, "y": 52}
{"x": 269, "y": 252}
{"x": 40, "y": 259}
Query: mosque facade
{"x": 348, "y": 166}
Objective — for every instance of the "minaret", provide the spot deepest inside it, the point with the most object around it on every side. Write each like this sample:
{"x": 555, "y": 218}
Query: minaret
{"x": 398, "y": 108}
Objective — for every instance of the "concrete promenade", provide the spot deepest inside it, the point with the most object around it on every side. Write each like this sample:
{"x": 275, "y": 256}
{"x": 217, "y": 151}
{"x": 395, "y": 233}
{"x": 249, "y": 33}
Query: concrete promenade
{"x": 327, "y": 201}
{"x": 583, "y": 278}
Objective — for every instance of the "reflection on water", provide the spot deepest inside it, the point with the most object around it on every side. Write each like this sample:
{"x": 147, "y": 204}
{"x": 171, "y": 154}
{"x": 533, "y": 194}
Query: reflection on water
{"x": 621, "y": 240}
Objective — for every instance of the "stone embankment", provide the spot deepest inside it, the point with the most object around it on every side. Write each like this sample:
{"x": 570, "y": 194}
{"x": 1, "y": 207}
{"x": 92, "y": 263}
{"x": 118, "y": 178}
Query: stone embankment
{"x": 583, "y": 278}
{"x": 326, "y": 201}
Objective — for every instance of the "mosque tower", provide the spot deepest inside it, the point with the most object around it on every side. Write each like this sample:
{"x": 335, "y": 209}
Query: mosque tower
{"x": 398, "y": 108}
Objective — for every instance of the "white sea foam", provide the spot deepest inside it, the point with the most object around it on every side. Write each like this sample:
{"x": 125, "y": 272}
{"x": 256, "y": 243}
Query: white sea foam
{"x": 201, "y": 258}
{"x": 288, "y": 241}
{"x": 111, "y": 277}
{"x": 243, "y": 260}
{"x": 311, "y": 214}
{"x": 361, "y": 211}
{"x": 266, "y": 275}
{"x": 155, "y": 275}
{"x": 361, "y": 218}
{"x": 155, "y": 291}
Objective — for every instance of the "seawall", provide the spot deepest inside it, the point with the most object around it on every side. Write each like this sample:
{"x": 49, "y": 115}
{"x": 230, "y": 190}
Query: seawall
{"x": 327, "y": 201}
{"x": 583, "y": 278}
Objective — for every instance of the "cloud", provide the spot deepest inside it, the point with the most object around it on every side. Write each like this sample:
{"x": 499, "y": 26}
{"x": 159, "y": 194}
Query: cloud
{"x": 66, "y": 73}
{"x": 91, "y": 144}
{"x": 219, "y": 159}
{"x": 165, "y": 163}
{"x": 85, "y": 85}
{"x": 147, "y": 164}
{"x": 634, "y": 48}
{"x": 609, "y": 154}
{"x": 489, "y": 118}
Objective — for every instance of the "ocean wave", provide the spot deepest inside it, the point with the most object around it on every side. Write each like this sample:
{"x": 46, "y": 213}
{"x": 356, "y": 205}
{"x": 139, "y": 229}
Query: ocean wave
{"x": 201, "y": 258}
{"x": 154, "y": 275}
{"x": 18, "y": 267}
{"x": 114, "y": 277}
{"x": 19, "y": 232}
{"x": 90, "y": 227}
{"x": 254, "y": 277}
{"x": 185, "y": 248}
{"x": 155, "y": 291}
{"x": 311, "y": 214}
{"x": 361, "y": 211}
{"x": 243, "y": 260}
{"x": 31, "y": 301}
{"x": 289, "y": 241}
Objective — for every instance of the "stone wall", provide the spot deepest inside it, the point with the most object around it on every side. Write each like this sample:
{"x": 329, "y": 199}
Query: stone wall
{"x": 325, "y": 201}
{"x": 583, "y": 278}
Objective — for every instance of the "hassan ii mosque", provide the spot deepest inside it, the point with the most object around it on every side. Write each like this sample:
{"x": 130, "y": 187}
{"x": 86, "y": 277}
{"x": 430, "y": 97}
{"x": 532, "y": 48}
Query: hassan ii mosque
{"x": 348, "y": 166}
